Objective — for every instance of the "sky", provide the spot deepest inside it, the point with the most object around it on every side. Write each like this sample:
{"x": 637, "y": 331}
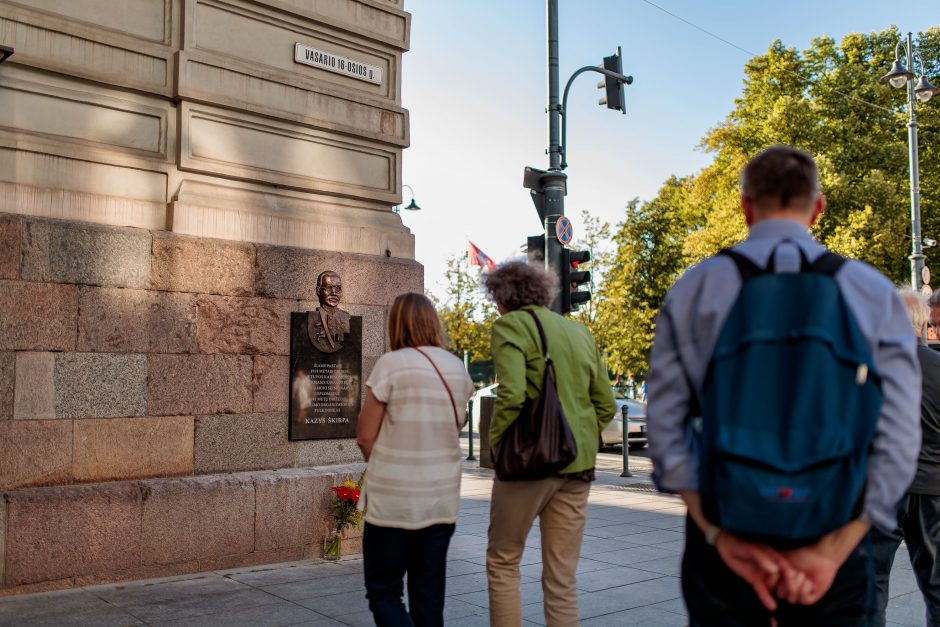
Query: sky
{"x": 475, "y": 84}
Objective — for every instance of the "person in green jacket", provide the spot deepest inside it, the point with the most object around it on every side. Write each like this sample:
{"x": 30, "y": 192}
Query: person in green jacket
{"x": 560, "y": 502}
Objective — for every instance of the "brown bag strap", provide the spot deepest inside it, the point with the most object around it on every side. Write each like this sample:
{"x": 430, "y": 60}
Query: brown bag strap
{"x": 446, "y": 387}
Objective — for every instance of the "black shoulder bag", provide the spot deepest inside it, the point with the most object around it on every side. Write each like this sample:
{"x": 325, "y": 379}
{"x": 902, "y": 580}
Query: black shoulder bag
{"x": 539, "y": 443}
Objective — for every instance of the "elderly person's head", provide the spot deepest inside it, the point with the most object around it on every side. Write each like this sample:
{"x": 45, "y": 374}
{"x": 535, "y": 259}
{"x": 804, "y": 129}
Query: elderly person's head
{"x": 515, "y": 284}
{"x": 917, "y": 310}
{"x": 934, "y": 303}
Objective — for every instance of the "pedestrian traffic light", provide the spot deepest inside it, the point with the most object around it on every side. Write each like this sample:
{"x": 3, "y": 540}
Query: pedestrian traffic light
{"x": 573, "y": 278}
{"x": 614, "y": 96}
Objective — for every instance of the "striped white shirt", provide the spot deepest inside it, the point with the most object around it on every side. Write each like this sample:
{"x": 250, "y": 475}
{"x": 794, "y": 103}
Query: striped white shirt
{"x": 413, "y": 478}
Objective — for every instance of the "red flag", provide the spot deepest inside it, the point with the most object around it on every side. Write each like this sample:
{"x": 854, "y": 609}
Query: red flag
{"x": 476, "y": 257}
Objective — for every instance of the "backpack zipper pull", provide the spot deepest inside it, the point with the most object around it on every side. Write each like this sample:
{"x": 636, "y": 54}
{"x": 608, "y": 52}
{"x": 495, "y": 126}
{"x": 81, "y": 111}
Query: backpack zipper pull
{"x": 861, "y": 375}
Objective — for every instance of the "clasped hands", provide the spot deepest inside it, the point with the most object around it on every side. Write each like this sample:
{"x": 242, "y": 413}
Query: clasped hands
{"x": 799, "y": 576}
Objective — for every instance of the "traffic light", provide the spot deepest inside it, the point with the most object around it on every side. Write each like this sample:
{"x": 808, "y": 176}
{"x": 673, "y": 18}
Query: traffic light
{"x": 573, "y": 278}
{"x": 614, "y": 97}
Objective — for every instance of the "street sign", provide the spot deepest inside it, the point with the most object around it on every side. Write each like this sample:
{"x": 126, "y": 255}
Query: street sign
{"x": 339, "y": 65}
{"x": 564, "y": 231}
{"x": 925, "y": 275}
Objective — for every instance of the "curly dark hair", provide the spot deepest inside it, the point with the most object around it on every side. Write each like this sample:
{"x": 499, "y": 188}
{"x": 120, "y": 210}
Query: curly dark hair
{"x": 514, "y": 284}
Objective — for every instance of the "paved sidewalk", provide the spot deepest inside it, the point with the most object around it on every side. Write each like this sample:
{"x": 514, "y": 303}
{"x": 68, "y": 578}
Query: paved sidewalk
{"x": 627, "y": 576}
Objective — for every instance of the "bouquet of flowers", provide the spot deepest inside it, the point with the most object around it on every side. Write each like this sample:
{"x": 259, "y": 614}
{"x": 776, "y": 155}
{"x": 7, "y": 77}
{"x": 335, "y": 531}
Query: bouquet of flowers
{"x": 345, "y": 514}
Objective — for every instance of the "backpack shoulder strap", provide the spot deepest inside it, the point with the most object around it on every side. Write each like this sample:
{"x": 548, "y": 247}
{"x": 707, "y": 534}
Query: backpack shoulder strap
{"x": 541, "y": 330}
{"x": 746, "y": 268}
{"x": 828, "y": 263}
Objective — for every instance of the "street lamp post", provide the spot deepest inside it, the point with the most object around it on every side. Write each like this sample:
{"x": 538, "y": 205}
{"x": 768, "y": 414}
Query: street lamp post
{"x": 412, "y": 206}
{"x": 900, "y": 76}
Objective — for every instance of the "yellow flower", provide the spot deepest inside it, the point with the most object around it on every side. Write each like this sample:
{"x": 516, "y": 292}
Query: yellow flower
{"x": 349, "y": 484}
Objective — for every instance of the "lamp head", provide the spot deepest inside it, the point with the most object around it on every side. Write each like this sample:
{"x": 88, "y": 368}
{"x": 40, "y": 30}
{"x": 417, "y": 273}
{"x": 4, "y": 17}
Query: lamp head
{"x": 412, "y": 206}
{"x": 898, "y": 76}
{"x": 924, "y": 90}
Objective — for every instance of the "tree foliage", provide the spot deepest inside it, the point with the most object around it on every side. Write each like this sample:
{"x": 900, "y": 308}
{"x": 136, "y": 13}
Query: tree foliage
{"x": 465, "y": 313}
{"x": 827, "y": 100}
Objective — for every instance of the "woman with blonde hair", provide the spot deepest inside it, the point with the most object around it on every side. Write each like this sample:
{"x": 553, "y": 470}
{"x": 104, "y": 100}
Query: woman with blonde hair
{"x": 408, "y": 431}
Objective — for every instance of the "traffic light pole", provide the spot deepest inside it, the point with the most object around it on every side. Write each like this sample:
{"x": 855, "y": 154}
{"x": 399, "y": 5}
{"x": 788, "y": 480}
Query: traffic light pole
{"x": 554, "y": 181}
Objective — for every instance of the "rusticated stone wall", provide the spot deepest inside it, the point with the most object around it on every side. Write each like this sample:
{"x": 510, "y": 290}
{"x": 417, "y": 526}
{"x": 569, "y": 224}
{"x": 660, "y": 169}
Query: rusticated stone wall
{"x": 134, "y": 357}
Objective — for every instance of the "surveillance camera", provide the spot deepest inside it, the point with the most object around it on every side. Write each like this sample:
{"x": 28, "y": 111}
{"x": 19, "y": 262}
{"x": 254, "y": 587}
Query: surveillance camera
{"x": 928, "y": 243}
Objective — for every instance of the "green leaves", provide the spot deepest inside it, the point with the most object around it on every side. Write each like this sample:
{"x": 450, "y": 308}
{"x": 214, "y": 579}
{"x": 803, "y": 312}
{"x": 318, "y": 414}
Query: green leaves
{"x": 827, "y": 100}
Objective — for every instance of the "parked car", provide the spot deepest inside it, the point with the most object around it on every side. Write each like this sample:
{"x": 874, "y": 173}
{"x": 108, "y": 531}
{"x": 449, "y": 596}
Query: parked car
{"x": 635, "y": 412}
{"x": 489, "y": 390}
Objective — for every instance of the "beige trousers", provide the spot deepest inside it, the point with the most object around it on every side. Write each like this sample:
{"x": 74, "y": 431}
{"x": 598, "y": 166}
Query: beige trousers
{"x": 561, "y": 505}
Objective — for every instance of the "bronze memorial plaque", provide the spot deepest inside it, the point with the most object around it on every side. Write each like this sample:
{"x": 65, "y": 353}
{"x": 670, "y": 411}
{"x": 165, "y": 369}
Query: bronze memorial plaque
{"x": 326, "y": 367}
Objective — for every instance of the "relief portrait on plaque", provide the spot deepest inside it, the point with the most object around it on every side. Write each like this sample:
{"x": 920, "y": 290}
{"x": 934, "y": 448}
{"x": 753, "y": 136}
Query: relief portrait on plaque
{"x": 326, "y": 366}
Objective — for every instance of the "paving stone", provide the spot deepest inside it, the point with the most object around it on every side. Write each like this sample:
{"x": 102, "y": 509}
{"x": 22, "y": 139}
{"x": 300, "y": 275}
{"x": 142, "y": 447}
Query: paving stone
{"x": 37, "y": 316}
{"x": 338, "y": 605}
{"x": 312, "y": 588}
{"x": 7, "y": 378}
{"x": 136, "y": 321}
{"x": 198, "y": 384}
{"x": 244, "y": 325}
{"x": 302, "y": 571}
{"x": 133, "y": 448}
{"x": 277, "y": 615}
{"x": 65, "y": 531}
{"x": 236, "y": 442}
{"x": 9, "y": 246}
{"x": 286, "y": 272}
{"x": 50, "y": 607}
{"x": 197, "y": 518}
{"x": 35, "y": 453}
{"x": 100, "y": 385}
{"x": 34, "y": 395}
{"x": 203, "y": 605}
{"x": 270, "y": 383}
{"x": 202, "y": 265}
{"x": 76, "y": 252}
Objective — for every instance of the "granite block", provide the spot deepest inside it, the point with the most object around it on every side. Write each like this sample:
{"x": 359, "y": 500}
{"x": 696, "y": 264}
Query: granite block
{"x": 35, "y": 452}
{"x": 313, "y": 453}
{"x": 292, "y": 508}
{"x": 199, "y": 384}
{"x": 136, "y": 321}
{"x": 34, "y": 394}
{"x": 9, "y": 246}
{"x": 100, "y": 385}
{"x": 197, "y": 518}
{"x": 202, "y": 265}
{"x": 76, "y": 252}
{"x": 132, "y": 448}
{"x": 285, "y": 272}
{"x": 37, "y": 316}
{"x": 65, "y": 531}
{"x": 374, "y": 326}
{"x": 7, "y": 378}
{"x": 370, "y": 280}
{"x": 244, "y": 326}
{"x": 270, "y": 384}
{"x": 238, "y": 442}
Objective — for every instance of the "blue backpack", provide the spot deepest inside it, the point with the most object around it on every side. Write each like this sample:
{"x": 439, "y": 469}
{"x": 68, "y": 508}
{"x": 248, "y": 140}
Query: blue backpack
{"x": 789, "y": 407}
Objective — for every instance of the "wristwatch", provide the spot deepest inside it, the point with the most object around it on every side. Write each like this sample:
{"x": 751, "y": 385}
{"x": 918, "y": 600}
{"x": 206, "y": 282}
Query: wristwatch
{"x": 711, "y": 535}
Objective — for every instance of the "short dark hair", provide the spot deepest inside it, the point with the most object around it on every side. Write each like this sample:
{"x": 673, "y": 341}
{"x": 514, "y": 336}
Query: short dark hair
{"x": 780, "y": 177}
{"x": 515, "y": 284}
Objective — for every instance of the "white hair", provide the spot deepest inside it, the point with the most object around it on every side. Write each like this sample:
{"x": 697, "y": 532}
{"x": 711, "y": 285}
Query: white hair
{"x": 917, "y": 310}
